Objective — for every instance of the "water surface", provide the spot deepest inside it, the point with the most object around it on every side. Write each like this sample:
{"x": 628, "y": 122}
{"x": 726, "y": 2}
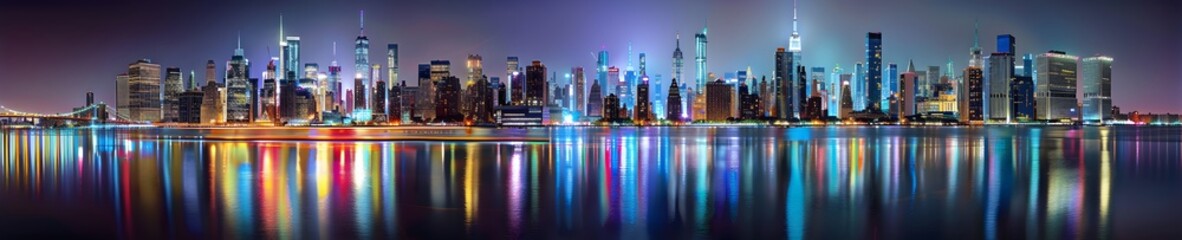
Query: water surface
{"x": 599, "y": 183}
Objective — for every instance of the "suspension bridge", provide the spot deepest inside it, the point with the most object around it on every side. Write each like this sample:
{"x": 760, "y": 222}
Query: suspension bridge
{"x": 94, "y": 114}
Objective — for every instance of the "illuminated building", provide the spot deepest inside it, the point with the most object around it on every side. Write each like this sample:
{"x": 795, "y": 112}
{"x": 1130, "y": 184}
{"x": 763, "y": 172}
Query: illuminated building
{"x": 239, "y": 94}
{"x": 801, "y": 90}
{"x": 700, "y": 60}
{"x": 395, "y": 102}
{"x": 447, "y": 101}
{"x": 311, "y": 70}
{"x": 359, "y": 101}
{"x": 535, "y": 84}
{"x": 1007, "y": 44}
{"x": 907, "y": 92}
{"x": 1097, "y": 89}
{"x": 890, "y": 84}
{"x": 580, "y": 94}
{"x": 611, "y": 108}
{"x": 436, "y": 72}
{"x": 189, "y": 106}
{"x": 847, "y": 101}
{"x": 766, "y": 97}
{"x": 974, "y": 101}
{"x": 748, "y": 103}
{"x": 482, "y": 111}
{"x": 874, "y": 71}
{"x": 718, "y": 100}
{"x": 290, "y": 55}
{"x": 512, "y": 70}
{"x": 213, "y": 103}
{"x": 674, "y": 112}
{"x": 361, "y": 59}
{"x": 1056, "y": 85}
{"x": 644, "y": 108}
{"x": 143, "y": 82}
{"x": 997, "y": 80}
{"x": 975, "y": 53}
{"x": 595, "y": 106}
{"x": 172, "y": 93}
{"x": 783, "y": 85}
{"x": 1022, "y": 98}
{"x": 379, "y": 101}
{"x": 392, "y": 64}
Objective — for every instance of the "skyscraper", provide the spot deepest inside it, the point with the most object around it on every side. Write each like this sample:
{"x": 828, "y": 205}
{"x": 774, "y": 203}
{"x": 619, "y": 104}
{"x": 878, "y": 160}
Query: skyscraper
{"x": 392, "y": 64}
{"x": 1022, "y": 98}
{"x": 359, "y": 102}
{"x": 122, "y": 96}
{"x": 847, "y": 101}
{"x": 1097, "y": 89}
{"x": 291, "y": 56}
{"x": 997, "y": 80}
{"x": 975, "y": 56}
{"x": 395, "y": 101}
{"x": 239, "y": 97}
{"x": 1007, "y": 44}
{"x": 678, "y": 60}
{"x": 907, "y": 91}
{"x": 891, "y": 83}
{"x": 594, "y": 105}
{"x": 144, "y": 91}
{"x": 611, "y": 108}
{"x": 361, "y": 57}
{"x": 674, "y": 110}
{"x": 644, "y": 108}
{"x": 213, "y": 103}
{"x": 172, "y": 93}
{"x": 1055, "y": 94}
{"x": 700, "y": 59}
{"x": 974, "y": 81}
{"x": 718, "y": 100}
{"x": 782, "y": 83}
{"x": 874, "y": 71}
{"x": 580, "y": 96}
{"x": 535, "y": 84}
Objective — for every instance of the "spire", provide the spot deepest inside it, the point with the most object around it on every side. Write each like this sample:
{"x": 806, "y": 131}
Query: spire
{"x": 976, "y": 33}
{"x": 362, "y": 22}
{"x": 911, "y": 65}
{"x": 238, "y": 51}
{"x": 281, "y": 28}
{"x": 679, "y": 40}
{"x": 794, "y": 16}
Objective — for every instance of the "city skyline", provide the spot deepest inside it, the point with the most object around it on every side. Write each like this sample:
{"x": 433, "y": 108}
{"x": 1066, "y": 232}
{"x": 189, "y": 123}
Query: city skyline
{"x": 1144, "y": 77}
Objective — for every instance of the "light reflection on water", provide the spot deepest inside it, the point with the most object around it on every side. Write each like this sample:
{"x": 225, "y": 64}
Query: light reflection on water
{"x": 798, "y": 183}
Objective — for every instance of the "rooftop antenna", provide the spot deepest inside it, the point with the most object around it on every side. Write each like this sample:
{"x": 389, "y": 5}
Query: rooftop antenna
{"x": 362, "y": 22}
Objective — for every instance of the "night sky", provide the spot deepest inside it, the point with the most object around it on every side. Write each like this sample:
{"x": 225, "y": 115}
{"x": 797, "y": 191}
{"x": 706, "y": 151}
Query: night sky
{"x": 52, "y": 52}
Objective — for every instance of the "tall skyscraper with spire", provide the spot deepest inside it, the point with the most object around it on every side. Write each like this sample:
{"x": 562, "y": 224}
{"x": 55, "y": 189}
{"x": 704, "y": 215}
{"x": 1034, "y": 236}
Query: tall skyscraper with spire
{"x": 361, "y": 57}
{"x": 678, "y": 60}
{"x": 700, "y": 60}
{"x": 794, "y": 40}
{"x": 975, "y": 57}
{"x": 282, "y": 51}
{"x": 239, "y": 97}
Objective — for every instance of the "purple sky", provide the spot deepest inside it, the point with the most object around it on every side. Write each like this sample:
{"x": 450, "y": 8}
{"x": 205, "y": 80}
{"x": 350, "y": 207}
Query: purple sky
{"x": 52, "y": 52}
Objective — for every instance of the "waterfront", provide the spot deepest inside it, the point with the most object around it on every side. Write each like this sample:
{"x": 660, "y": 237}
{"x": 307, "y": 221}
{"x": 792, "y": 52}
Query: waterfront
{"x": 597, "y": 183}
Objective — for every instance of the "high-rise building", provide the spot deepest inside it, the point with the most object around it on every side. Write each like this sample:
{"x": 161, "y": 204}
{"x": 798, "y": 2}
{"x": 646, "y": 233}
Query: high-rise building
{"x": 800, "y": 89}
{"x": 594, "y": 105}
{"x": 700, "y": 59}
{"x": 1055, "y": 93}
{"x": 874, "y": 71}
{"x": 172, "y": 93}
{"x": 974, "y": 81}
{"x": 1007, "y": 44}
{"x": 890, "y": 84}
{"x": 334, "y": 83}
{"x": 361, "y": 58}
{"x": 291, "y": 55}
{"x": 674, "y": 101}
{"x": 475, "y": 66}
{"x": 611, "y": 108}
{"x": 1097, "y": 89}
{"x": 122, "y": 96}
{"x": 535, "y": 84}
{"x": 580, "y": 94}
{"x": 394, "y": 101}
{"x": 447, "y": 100}
{"x": 379, "y": 99}
{"x": 359, "y": 100}
{"x": 847, "y": 101}
{"x": 907, "y": 92}
{"x": 644, "y": 108}
{"x": 189, "y": 106}
{"x": 718, "y": 100}
{"x": 748, "y": 103}
{"x": 213, "y": 103}
{"x": 975, "y": 55}
{"x": 311, "y": 70}
{"x": 997, "y": 80}
{"x": 143, "y": 82}
{"x": 783, "y": 85}
{"x": 239, "y": 97}
{"x": 1022, "y": 98}
{"x": 678, "y": 60}
{"x": 392, "y": 64}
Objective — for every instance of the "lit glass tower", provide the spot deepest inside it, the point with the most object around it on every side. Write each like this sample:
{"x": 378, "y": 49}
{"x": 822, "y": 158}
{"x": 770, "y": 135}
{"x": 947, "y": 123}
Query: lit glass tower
{"x": 291, "y": 56}
{"x": 700, "y": 60}
{"x": 1055, "y": 94}
{"x": 392, "y": 63}
{"x": 238, "y": 88}
{"x": 1097, "y": 89}
{"x": 361, "y": 58}
{"x": 874, "y": 71}
{"x": 678, "y": 60}
{"x": 601, "y": 70}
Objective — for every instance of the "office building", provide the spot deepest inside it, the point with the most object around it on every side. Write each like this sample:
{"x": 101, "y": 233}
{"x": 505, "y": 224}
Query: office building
{"x": 1022, "y": 99}
{"x": 997, "y": 79}
{"x": 673, "y": 99}
{"x": 239, "y": 94}
{"x": 644, "y": 108}
{"x": 361, "y": 59}
{"x": 1055, "y": 93}
{"x": 173, "y": 87}
{"x": 700, "y": 59}
{"x": 189, "y": 106}
{"x": 535, "y": 84}
{"x": 143, "y": 82}
{"x": 447, "y": 100}
{"x": 1097, "y": 89}
{"x": 718, "y": 101}
{"x": 874, "y": 71}
{"x": 974, "y": 101}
